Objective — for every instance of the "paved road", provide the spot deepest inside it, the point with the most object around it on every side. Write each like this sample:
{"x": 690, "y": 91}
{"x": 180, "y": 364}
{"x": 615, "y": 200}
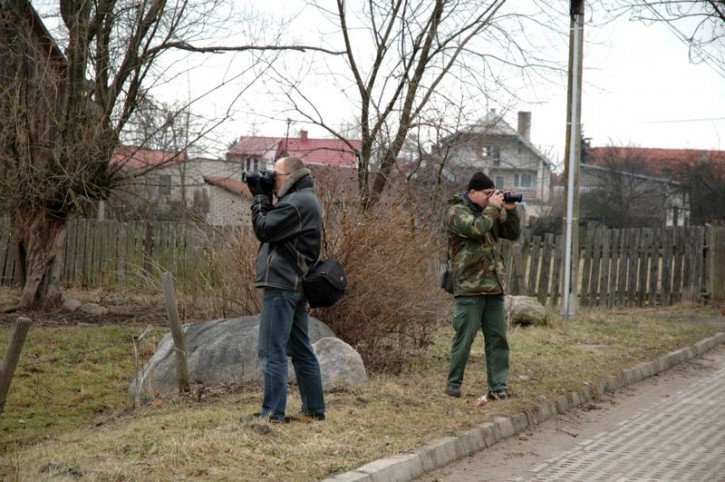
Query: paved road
{"x": 670, "y": 427}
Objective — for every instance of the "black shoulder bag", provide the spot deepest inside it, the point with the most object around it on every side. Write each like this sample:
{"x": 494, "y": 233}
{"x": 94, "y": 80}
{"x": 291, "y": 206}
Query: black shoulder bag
{"x": 446, "y": 275}
{"x": 325, "y": 281}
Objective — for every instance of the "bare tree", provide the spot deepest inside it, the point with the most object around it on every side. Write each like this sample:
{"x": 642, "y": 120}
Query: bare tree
{"x": 69, "y": 108}
{"x": 622, "y": 192}
{"x": 705, "y": 184}
{"x": 406, "y": 61}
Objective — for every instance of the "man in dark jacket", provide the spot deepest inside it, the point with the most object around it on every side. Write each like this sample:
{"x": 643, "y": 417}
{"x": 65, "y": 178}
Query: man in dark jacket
{"x": 477, "y": 219}
{"x": 289, "y": 231}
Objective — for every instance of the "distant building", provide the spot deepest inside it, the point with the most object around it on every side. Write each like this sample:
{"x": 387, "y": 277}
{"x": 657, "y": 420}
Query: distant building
{"x": 658, "y": 162}
{"x": 333, "y": 164}
{"x": 505, "y": 154}
{"x": 256, "y": 153}
{"x": 229, "y": 202}
{"x": 662, "y": 172}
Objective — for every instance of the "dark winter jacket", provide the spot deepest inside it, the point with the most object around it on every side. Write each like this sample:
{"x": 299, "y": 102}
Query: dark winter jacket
{"x": 473, "y": 235}
{"x": 291, "y": 229}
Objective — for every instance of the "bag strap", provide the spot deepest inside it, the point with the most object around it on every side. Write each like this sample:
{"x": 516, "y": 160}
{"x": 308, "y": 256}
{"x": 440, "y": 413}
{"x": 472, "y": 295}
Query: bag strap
{"x": 293, "y": 255}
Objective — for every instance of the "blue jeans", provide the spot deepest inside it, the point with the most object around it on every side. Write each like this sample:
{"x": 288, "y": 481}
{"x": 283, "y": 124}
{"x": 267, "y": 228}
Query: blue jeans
{"x": 283, "y": 332}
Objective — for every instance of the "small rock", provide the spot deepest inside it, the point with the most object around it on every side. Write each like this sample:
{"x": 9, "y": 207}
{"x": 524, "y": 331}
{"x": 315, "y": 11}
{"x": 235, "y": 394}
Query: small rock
{"x": 71, "y": 305}
{"x": 94, "y": 309}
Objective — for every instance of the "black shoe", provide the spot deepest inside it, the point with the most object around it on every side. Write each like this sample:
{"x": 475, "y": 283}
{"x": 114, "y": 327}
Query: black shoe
{"x": 271, "y": 418}
{"x": 308, "y": 417}
{"x": 499, "y": 394}
{"x": 453, "y": 391}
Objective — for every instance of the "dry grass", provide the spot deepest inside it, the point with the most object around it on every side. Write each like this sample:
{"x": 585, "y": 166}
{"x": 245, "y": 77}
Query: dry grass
{"x": 179, "y": 439}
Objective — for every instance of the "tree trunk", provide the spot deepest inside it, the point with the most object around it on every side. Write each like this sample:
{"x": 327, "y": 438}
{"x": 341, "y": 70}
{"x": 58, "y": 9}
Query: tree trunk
{"x": 42, "y": 238}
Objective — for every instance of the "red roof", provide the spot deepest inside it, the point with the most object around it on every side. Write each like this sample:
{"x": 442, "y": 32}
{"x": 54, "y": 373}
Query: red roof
{"x": 253, "y": 146}
{"x": 228, "y": 184}
{"x": 320, "y": 152}
{"x": 658, "y": 161}
{"x": 138, "y": 157}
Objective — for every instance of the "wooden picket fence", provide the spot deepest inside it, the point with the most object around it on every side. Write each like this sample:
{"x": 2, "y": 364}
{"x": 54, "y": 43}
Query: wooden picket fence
{"x": 624, "y": 267}
{"x": 629, "y": 267}
{"x": 105, "y": 253}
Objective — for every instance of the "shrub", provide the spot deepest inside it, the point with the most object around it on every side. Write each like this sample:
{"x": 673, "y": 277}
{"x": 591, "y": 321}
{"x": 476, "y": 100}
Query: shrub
{"x": 392, "y": 303}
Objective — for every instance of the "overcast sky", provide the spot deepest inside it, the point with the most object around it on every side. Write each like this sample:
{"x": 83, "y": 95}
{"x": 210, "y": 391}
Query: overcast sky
{"x": 640, "y": 89}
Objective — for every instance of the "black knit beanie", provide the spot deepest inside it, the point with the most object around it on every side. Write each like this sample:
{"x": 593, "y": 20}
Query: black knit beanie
{"x": 479, "y": 182}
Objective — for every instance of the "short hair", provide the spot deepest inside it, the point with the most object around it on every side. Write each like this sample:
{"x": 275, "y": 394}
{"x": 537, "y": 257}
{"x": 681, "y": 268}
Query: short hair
{"x": 292, "y": 164}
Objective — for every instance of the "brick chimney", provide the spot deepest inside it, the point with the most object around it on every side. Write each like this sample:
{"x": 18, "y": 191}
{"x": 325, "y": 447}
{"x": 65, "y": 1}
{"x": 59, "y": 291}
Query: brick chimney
{"x": 524, "y": 126}
{"x": 303, "y": 134}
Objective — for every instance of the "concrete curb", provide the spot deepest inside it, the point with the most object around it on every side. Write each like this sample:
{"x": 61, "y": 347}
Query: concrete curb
{"x": 442, "y": 451}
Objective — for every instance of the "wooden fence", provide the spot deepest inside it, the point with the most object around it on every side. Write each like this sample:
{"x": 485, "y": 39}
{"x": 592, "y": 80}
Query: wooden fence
{"x": 104, "y": 253}
{"x": 627, "y": 267}
{"x": 630, "y": 267}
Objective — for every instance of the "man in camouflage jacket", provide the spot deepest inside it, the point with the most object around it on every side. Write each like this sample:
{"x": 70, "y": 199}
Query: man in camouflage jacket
{"x": 477, "y": 219}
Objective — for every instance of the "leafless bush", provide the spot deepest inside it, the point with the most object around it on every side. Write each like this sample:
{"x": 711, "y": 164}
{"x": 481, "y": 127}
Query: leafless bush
{"x": 393, "y": 301}
{"x": 225, "y": 281}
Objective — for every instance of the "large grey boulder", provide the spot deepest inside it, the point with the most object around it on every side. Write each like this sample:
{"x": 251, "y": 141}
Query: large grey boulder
{"x": 339, "y": 363}
{"x": 221, "y": 352}
{"x": 524, "y": 310}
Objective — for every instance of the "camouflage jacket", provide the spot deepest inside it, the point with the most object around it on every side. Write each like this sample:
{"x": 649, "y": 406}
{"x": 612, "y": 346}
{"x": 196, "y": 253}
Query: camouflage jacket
{"x": 473, "y": 235}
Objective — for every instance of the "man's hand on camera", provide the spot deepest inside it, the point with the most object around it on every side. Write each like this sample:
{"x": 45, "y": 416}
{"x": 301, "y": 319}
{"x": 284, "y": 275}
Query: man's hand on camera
{"x": 496, "y": 199}
{"x": 268, "y": 190}
{"x": 255, "y": 186}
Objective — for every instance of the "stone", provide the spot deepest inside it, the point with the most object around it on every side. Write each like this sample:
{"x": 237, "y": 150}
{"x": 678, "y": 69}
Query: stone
{"x": 339, "y": 362}
{"x": 94, "y": 309}
{"x": 71, "y": 305}
{"x": 221, "y": 352}
{"x": 524, "y": 310}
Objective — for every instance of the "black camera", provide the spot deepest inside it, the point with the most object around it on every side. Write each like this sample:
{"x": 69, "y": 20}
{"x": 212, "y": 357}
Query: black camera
{"x": 509, "y": 197}
{"x": 265, "y": 179}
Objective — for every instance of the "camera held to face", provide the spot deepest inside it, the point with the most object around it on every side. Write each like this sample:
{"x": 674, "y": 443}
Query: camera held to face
{"x": 509, "y": 197}
{"x": 265, "y": 179}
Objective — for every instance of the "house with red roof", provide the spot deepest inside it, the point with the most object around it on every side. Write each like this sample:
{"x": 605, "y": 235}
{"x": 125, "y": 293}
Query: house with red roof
{"x": 162, "y": 184}
{"x": 672, "y": 163}
{"x": 169, "y": 182}
{"x": 333, "y": 163}
{"x": 662, "y": 174}
{"x": 256, "y": 153}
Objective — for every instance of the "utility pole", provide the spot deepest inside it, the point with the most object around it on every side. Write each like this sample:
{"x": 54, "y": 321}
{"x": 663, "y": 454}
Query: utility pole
{"x": 573, "y": 158}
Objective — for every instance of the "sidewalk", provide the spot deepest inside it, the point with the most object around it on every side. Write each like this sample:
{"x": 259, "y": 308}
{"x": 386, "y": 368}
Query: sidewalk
{"x": 440, "y": 452}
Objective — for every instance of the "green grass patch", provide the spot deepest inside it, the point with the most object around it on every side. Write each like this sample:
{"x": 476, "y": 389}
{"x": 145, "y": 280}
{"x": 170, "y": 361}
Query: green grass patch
{"x": 69, "y": 377}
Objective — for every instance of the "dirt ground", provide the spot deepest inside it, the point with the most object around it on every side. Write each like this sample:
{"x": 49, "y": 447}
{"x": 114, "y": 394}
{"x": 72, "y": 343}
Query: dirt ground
{"x": 128, "y": 307}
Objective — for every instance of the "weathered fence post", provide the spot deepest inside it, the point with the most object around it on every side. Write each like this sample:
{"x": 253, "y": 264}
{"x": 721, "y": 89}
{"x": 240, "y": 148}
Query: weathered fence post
{"x": 176, "y": 332}
{"x": 12, "y": 355}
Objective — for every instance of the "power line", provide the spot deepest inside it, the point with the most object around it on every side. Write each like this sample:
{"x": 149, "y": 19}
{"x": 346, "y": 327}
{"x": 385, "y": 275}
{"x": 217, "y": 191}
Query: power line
{"x": 677, "y": 121}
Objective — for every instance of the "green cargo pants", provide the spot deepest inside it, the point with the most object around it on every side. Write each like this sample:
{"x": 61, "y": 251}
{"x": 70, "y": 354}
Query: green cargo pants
{"x": 471, "y": 314}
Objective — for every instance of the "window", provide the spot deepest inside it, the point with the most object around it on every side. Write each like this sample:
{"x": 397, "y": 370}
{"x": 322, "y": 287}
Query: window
{"x": 522, "y": 180}
{"x": 499, "y": 182}
{"x": 496, "y": 154}
{"x": 164, "y": 185}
